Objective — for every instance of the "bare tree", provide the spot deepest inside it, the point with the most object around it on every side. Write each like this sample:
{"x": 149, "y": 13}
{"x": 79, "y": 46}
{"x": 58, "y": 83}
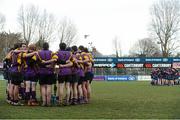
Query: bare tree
{"x": 2, "y": 21}
{"x": 144, "y": 48}
{"x": 117, "y": 47}
{"x": 7, "y": 41}
{"x": 46, "y": 28}
{"x": 67, "y": 32}
{"x": 165, "y": 24}
{"x": 28, "y": 21}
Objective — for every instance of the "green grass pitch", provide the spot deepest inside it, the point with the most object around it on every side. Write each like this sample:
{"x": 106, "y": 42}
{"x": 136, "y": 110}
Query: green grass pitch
{"x": 110, "y": 100}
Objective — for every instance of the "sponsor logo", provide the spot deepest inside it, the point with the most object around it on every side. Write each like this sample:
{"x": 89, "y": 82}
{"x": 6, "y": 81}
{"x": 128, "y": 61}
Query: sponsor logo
{"x": 113, "y": 65}
{"x": 165, "y": 59}
{"x": 161, "y": 65}
{"x": 137, "y": 59}
{"x": 99, "y": 60}
{"x": 102, "y": 65}
{"x": 109, "y": 60}
{"x": 126, "y": 60}
{"x": 131, "y": 78}
{"x": 153, "y": 60}
{"x": 120, "y": 78}
{"x": 133, "y": 65}
{"x": 119, "y": 65}
{"x": 148, "y": 65}
{"x": 176, "y": 60}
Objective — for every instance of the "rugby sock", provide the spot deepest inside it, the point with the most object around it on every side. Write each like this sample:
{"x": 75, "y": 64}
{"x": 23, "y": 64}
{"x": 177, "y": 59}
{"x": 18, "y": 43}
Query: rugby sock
{"x": 27, "y": 96}
{"x": 33, "y": 93}
{"x": 84, "y": 98}
{"x": 80, "y": 100}
{"x": 70, "y": 101}
{"x": 74, "y": 101}
{"x": 55, "y": 89}
{"x": 23, "y": 93}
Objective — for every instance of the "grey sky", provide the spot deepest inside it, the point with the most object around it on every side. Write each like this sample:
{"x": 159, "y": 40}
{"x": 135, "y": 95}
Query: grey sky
{"x": 101, "y": 19}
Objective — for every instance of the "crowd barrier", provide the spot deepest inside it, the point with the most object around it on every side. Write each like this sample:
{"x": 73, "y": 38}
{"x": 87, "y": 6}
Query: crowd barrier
{"x": 123, "y": 78}
{"x": 116, "y": 77}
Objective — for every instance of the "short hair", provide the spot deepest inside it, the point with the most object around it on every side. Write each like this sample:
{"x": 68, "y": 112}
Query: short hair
{"x": 81, "y": 48}
{"x": 32, "y": 47}
{"x": 74, "y": 48}
{"x": 86, "y": 50}
{"x": 62, "y": 46}
{"x": 16, "y": 45}
{"x": 45, "y": 46}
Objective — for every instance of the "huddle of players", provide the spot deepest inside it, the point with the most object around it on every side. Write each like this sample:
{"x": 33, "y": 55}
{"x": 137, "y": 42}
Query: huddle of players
{"x": 69, "y": 68}
{"x": 165, "y": 76}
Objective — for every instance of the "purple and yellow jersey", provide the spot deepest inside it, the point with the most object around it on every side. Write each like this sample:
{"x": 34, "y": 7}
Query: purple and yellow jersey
{"x": 88, "y": 61}
{"x": 81, "y": 69}
{"x": 90, "y": 57}
{"x": 54, "y": 55}
{"x": 17, "y": 62}
{"x": 62, "y": 58}
{"x": 29, "y": 61}
{"x": 16, "y": 58}
{"x": 30, "y": 68}
{"x": 85, "y": 56}
{"x": 76, "y": 66}
{"x": 45, "y": 55}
